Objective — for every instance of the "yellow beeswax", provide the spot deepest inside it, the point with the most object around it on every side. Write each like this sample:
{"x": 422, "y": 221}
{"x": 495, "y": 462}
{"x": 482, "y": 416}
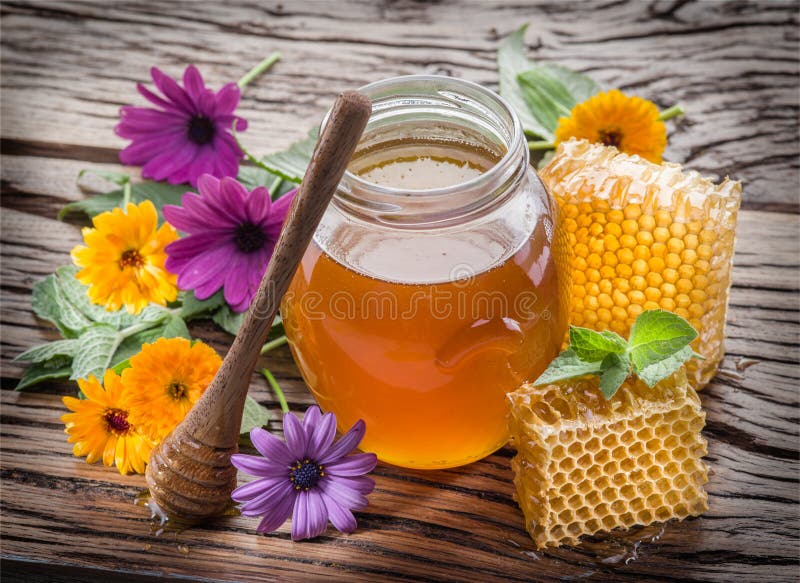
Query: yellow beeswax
{"x": 645, "y": 236}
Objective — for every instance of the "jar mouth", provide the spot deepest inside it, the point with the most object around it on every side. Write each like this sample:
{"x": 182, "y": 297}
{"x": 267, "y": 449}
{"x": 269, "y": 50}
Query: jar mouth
{"x": 411, "y": 98}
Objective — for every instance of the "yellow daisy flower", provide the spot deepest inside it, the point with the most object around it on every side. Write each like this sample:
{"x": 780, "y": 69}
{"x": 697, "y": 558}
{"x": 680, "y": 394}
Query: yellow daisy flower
{"x": 123, "y": 260}
{"x": 629, "y": 123}
{"x": 165, "y": 379}
{"x": 100, "y": 427}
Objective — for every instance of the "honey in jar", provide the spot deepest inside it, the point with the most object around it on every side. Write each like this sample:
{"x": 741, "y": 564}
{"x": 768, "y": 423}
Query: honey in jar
{"x": 434, "y": 285}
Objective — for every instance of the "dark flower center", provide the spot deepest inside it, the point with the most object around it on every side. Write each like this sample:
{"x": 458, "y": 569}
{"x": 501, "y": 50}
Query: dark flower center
{"x": 131, "y": 258}
{"x": 305, "y": 475}
{"x": 610, "y": 137}
{"x": 117, "y": 421}
{"x": 201, "y": 129}
{"x": 249, "y": 237}
{"x": 177, "y": 390}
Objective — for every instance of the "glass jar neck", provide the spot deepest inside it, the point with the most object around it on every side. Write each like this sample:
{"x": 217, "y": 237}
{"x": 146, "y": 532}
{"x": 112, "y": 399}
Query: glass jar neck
{"x": 428, "y": 108}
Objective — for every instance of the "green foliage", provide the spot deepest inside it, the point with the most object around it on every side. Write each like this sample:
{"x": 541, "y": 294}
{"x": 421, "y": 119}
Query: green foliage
{"x": 255, "y": 415}
{"x": 658, "y": 346}
{"x": 539, "y": 93}
{"x": 291, "y": 164}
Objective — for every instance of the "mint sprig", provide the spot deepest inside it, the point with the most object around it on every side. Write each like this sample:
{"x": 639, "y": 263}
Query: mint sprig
{"x": 658, "y": 346}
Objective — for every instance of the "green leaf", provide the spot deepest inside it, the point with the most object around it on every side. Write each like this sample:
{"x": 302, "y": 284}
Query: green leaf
{"x": 194, "y": 308}
{"x": 117, "y": 178}
{"x": 291, "y": 164}
{"x": 511, "y": 61}
{"x": 567, "y": 366}
{"x": 48, "y": 304}
{"x": 120, "y": 366}
{"x": 96, "y": 348}
{"x": 45, "y": 352}
{"x": 228, "y": 320}
{"x": 581, "y": 87}
{"x": 171, "y": 327}
{"x": 255, "y": 415}
{"x": 160, "y": 193}
{"x": 43, "y": 371}
{"x": 660, "y": 370}
{"x": 592, "y": 346}
{"x": 76, "y": 295}
{"x": 547, "y": 98}
{"x": 616, "y": 368}
{"x": 656, "y": 335}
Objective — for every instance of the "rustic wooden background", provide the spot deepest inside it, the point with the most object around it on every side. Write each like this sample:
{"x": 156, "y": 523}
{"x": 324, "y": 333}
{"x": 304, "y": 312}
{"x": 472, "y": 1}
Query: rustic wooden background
{"x": 68, "y": 66}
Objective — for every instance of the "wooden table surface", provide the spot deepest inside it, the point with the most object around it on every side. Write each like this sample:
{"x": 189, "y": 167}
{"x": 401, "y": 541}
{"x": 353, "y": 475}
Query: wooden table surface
{"x": 67, "y": 67}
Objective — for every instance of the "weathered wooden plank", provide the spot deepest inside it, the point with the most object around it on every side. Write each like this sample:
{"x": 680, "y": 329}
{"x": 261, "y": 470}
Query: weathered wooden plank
{"x": 733, "y": 65}
{"x": 418, "y": 525}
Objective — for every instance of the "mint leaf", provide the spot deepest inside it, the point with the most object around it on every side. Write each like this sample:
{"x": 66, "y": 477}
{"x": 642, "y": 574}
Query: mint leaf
{"x": 96, "y": 348}
{"x": 194, "y": 308}
{"x": 228, "y": 320}
{"x": 567, "y": 366}
{"x": 592, "y": 346}
{"x": 657, "y": 334}
{"x": 291, "y": 164}
{"x": 615, "y": 369}
{"x": 45, "y": 352}
{"x": 160, "y": 193}
{"x": 255, "y": 415}
{"x": 660, "y": 370}
{"x": 117, "y": 178}
{"x": 43, "y": 371}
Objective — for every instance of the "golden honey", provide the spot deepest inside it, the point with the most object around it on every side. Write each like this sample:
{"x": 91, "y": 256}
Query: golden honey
{"x": 586, "y": 464}
{"x": 646, "y": 237}
{"x": 424, "y": 353}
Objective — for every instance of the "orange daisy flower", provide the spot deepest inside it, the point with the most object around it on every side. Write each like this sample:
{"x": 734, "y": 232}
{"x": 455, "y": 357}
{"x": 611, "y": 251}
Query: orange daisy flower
{"x": 629, "y": 123}
{"x": 123, "y": 259}
{"x": 165, "y": 379}
{"x": 100, "y": 428}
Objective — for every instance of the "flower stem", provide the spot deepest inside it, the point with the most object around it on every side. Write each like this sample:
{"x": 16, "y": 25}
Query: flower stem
{"x": 258, "y": 69}
{"x": 276, "y": 389}
{"x": 541, "y": 145}
{"x": 126, "y": 194}
{"x": 273, "y": 188}
{"x": 272, "y": 344}
{"x": 671, "y": 112}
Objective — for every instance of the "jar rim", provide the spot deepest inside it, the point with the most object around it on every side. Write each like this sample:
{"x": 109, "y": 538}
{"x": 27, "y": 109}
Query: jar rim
{"x": 468, "y": 97}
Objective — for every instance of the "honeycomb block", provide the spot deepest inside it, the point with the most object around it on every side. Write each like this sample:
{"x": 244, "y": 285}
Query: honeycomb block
{"x": 586, "y": 464}
{"x": 645, "y": 236}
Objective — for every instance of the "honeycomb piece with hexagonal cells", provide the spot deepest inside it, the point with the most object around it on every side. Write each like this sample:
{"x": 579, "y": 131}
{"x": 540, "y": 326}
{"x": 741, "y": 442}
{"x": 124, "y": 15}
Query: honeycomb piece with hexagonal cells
{"x": 645, "y": 236}
{"x": 585, "y": 464}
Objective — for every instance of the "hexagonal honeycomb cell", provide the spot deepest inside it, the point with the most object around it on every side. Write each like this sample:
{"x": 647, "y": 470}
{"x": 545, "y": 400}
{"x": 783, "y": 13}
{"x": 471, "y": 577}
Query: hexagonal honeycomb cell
{"x": 586, "y": 464}
{"x": 645, "y": 236}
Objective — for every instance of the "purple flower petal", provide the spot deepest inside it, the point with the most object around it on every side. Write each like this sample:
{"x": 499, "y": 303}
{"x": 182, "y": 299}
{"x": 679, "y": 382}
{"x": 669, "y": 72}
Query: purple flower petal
{"x": 278, "y": 514}
{"x": 258, "y": 466}
{"x": 258, "y": 205}
{"x": 253, "y": 489}
{"x": 268, "y": 498}
{"x": 160, "y": 140}
{"x": 340, "y": 517}
{"x": 296, "y": 439}
{"x": 271, "y": 447}
{"x": 311, "y": 417}
{"x": 353, "y": 465}
{"x": 346, "y": 443}
{"x": 322, "y": 434}
{"x": 343, "y": 493}
{"x": 309, "y": 517}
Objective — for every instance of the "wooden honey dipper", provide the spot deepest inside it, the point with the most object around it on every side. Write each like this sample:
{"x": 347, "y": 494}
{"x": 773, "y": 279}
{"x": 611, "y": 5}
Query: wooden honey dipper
{"x": 189, "y": 474}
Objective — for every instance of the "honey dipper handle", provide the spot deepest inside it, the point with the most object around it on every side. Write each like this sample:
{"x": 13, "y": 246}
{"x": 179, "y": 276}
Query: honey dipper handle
{"x": 216, "y": 418}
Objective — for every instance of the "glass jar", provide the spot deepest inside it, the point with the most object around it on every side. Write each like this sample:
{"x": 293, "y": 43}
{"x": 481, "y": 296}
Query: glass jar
{"x": 433, "y": 285}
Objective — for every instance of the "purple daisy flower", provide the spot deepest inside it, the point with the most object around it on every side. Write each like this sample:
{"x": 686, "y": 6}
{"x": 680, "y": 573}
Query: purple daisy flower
{"x": 309, "y": 477}
{"x": 231, "y": 237}
{"x": 187, "y": 134}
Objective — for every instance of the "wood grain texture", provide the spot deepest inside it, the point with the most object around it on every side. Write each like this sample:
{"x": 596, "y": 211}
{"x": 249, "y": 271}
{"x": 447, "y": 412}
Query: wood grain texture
{"x": 68, "y": 66}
